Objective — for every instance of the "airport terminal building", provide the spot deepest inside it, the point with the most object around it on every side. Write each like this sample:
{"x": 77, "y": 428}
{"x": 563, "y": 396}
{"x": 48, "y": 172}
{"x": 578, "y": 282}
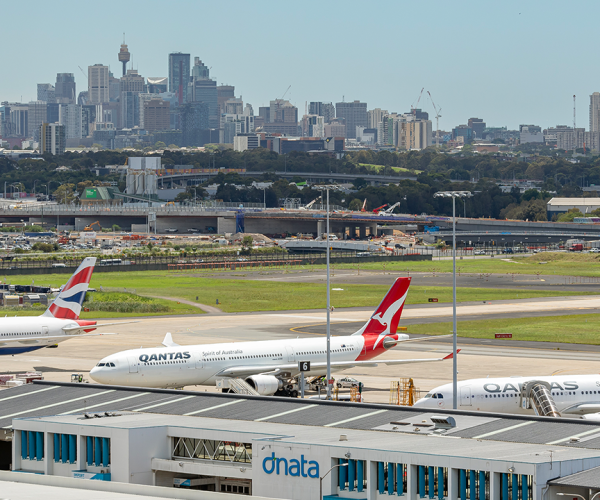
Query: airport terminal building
{"x": 281, "y": 448}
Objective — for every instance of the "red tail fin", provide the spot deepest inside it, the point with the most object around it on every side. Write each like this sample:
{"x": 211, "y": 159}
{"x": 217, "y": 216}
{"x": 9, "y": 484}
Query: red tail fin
{"x": 386, "y": 317}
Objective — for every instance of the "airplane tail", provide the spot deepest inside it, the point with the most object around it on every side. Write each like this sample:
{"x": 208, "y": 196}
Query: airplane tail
{"x": 386, "y": 317}
{"x": 67, "y": 304}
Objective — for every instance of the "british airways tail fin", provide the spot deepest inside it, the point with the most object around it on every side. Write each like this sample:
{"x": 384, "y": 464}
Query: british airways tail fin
{"x": 386, "y": 317}
{"x": 67, "y": 304}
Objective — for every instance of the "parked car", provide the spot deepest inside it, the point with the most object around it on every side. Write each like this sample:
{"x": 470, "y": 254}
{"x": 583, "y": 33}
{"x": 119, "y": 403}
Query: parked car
{"x": 171, "y": 230}
{"x": 479, "y": 252}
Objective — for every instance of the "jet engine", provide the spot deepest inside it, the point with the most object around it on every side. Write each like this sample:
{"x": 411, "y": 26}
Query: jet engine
{"x": 265, "y": 385}
{"x": 591, "y": 416}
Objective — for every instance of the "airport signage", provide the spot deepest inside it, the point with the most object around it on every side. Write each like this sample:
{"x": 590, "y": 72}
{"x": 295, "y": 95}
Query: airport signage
{"x": 293, "y": 467}
{"x": 433, "y": 300}
{"x": 503, "y": 335}
{"x": 304, "y": 366}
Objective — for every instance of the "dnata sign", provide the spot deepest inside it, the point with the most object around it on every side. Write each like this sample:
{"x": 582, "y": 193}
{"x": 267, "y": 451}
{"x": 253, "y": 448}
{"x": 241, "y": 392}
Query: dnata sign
{"x": 293, "y": 467}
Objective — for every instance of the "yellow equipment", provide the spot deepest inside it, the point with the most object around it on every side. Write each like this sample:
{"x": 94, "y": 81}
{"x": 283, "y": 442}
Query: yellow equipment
{"x": 90, "y": 228}
{"x": 403, "y": 392}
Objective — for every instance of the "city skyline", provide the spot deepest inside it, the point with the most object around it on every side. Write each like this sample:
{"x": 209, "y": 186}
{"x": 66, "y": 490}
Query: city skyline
{"x": 502, "y": 65}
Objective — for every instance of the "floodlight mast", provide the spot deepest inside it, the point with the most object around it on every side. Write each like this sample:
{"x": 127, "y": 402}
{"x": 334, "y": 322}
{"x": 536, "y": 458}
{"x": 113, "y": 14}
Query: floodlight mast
{"x": 454, "y": 195}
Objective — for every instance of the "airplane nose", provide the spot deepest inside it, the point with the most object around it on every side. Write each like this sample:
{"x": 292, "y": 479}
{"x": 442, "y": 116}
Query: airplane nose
{"x": 96, "y": 374}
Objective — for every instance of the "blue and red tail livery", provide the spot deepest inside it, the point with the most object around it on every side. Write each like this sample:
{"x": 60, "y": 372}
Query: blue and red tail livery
{"x": 67, "y": 304}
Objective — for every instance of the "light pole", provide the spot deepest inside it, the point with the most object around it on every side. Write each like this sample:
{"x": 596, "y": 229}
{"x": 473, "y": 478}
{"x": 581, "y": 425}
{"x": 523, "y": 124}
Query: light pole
{"x": 454, "y": 195}
{"x": 325, "y": 475}
{"x": 327, "y": 188}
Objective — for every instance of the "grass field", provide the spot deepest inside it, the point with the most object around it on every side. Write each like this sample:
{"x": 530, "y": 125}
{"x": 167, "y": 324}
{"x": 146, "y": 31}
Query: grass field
{"x": 550, "y": 263}
{"x": 248, "y": 295}
{"x": 381, "y": 167}
{"x": 576, "y": 329}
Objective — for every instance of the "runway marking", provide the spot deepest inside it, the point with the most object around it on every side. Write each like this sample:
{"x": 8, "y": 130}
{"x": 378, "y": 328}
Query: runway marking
{"x": 355, "y": 418}
{"x": 164, "y": 403}
{"x": 56, "y": 404}
{"x": 285, "y": 413}
{"x": 504, "y": 430}
{"x": 215, "y": 407}
{"x": 309, "y": 317}
{"x": 85, "y": 408}
{"x": 29, "y": 393}
{"x": 574, "y": 436}
{"x": 293, "y": 329}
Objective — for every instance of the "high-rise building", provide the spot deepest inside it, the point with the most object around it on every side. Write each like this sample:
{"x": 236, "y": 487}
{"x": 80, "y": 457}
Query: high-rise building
{"x": 157, "y": 85}
{"x": 14, "y": 119}
{"x": 130, "y": 109}
{"x": 324, "y": 109}
{"x": 46, "y": 92}
{"x": 234, "y": 106}
{"x": 65, "y": 90}
{"x": 193, "y": 119}
{"x": 199, "y": 69}
{"x": 233, "y": 125}
{"x": 205, "y": 90}
{"x": 265, "y": 113}
{"x": 335, "y": 128}
{"x": 52, "y": 111}
{"x": 179, "y": 75}
{"x": 355, "y": 114}
{"x": 156, "y": 115}
{"x": 595, "y": 112}
{"x": 375, "y": 116}
{"x": 36, "y": 115}
{"x": 52, "y": 138}
{"x": 530, "y": 133}
{"x": 477, "y": 125}
{"x": 224, "y": 93}
{"x": 132, "y": 82}
{"x": 313, "y": 126}
{"x": 98, "y": 84}
{"x": 417, "y": 134}
{"x": 70, "y": 116}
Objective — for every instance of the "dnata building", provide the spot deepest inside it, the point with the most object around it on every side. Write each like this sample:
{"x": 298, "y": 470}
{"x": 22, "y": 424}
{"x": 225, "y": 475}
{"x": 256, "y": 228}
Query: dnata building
{"x": 294, "y": 449}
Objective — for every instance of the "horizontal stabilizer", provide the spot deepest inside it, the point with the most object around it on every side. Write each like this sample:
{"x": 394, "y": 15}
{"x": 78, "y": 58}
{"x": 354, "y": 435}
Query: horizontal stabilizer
{"x": 70, "y": 329}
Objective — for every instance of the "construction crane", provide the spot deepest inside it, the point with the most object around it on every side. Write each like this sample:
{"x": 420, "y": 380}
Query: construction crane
{"x": 81, "y": 69}
{"x": 306, "y": 207}
{"x": 364, "y": 207}
{"x": 280, "y": 100}
{"x": 437, "y": 121}
{"x": 376, "y": 210}
{"x": 413, "y": 107}
{"x": 389, "y": 210}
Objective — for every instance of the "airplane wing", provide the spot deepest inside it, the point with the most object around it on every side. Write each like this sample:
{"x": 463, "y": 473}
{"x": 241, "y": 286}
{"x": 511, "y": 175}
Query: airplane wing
{"x": 92, "y": 327}
{"x": 38, "y": 340}
{"x": 243, "y": 371}
{"x": 581, "y": 409}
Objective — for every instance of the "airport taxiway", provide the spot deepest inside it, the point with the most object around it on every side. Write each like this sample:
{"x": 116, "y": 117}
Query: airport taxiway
{"x": 502, "y": 358}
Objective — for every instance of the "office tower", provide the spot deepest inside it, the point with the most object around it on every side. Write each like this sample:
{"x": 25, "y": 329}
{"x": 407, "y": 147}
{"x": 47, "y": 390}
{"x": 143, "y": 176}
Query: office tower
{"x": 124, "y": 57}
{"x": 132, "y": 82}
{"x": 375, "y": 116}
{"x": 477, "y": 125}
{"x": 417, "y": 134}
{"x": 52, "y": 112}
{"x": 595, "y": 112}
{"x": 179, "y": 75}
{"x": 156, "y": 114}
{"x": 70, "y": 116}
{"x": 130, "y": 109}
{"x": 14, "y": 119}
{"x": 46, "y": 92}
{"x": 194, "y": 117}
{"x": 234, "y": 106}
{"x": 355, "y": 114}
{"x": 324, "y": 109}
{"x": 202, "y": 90}
{"x": 248, "y": 109}
{"x": 265, "y": 113}
{"x": 36, "y": 115}
{"x": 530, "y": 133}
{"x": 224, "y": 93}
{"x": 52, "y": 138}
{"x": 313, "y": 126}
{"x": 335, "y": 128}
{"x": 65, "y": 89}
{"x": 200, "y": 70}
{"x": 157, "y": 85}
{"x": 98, "y": 91}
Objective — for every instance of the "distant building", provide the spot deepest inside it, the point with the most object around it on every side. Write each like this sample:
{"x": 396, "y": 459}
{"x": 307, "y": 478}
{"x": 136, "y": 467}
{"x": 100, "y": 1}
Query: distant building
{"x": 70, "y": 116}
{"x": 156, "y": 115}
{"x": 224, "y": 93}
{"x": 355, "y": 114}
{"x": 194, "y": 117}
{"x": 324, "y": 109}
{"x": 234, "y": 106}
{"x": 463, "y": 131}
{"x": 375, "y": 117}
{"x": 283, "y": 118}
{"x": 200, "y": 70}
{"x": 36, "y": 115}
{"x": 130, "y": 109}
{"x": 477, "y": 125}
{"x": 65, "y": 89}
{"x": 179, "y": 75}
{"x": 98, "y": 84}
{"x": 157, "y": 85}
{"x": 52, "y": 138}
{"x": 530, "y": 134}
{"x": 336, "y": 128}
{"x": 416, "y": 134}
{"x": 52, "y": 110}
{"x": 313, "y": 126}
{"x": 235, "y": 124}
{"x": 243, "y": 142}
{"x": 46, "y": 92}
{"x": 265, "y": 113}
{"x": 205, "y": 90}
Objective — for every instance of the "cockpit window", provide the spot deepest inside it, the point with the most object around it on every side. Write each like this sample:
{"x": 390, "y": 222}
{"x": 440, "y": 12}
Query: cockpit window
{"x": 110, "y": 364}
{"x": 440, "y": 396}
{"x": 428, "y": 396}
{"x": 100, "y": 364}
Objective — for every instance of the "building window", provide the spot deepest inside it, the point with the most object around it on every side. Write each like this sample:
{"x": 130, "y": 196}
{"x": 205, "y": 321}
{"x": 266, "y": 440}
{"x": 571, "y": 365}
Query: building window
{"x": 65, "y": 448}
{"x": 98, "y": 451}
{"x": 206, "y": 449}
{"x": 32, "y": 445}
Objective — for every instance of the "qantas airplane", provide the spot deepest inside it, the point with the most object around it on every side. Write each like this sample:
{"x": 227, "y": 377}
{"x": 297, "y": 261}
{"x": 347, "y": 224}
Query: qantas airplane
{"x": 270, "y": 366}
{"x": 572, "y": 394}
{"x": 59, "y": 322}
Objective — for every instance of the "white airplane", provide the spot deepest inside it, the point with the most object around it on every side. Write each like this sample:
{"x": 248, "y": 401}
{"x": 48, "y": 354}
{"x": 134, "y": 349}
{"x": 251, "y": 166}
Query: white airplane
{"x": 573, "y": 395}
{"x": 268, "y": 366}
{"x": 59, "y": 322}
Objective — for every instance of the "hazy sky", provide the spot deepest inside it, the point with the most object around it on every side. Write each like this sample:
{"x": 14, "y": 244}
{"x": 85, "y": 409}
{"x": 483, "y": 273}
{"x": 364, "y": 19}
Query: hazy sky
{"x": 507, "y": 62}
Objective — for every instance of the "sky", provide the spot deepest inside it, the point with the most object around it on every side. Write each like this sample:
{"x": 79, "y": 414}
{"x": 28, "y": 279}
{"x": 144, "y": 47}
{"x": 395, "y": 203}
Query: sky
{"x": 510, "y": 62}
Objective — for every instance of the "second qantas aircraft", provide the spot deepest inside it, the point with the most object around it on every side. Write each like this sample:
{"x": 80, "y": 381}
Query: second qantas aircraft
{"x": 268, "y": 366}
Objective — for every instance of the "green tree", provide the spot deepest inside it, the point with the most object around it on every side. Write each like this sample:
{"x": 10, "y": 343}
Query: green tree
{"x": 65, "y": 194}
{"x": 247, "y": 242}
{"x": 97, "y": 146}
{"x": 570, "y": 215}
{"x": 355, "y": 204}
{"x": 160, "y": 145}
{"x": 116, "y": 227}
{"x": 531, "y": 194}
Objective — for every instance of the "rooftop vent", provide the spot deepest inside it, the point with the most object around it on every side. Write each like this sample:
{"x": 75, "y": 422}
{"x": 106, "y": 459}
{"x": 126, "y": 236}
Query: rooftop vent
{"x": 442, "y": 422}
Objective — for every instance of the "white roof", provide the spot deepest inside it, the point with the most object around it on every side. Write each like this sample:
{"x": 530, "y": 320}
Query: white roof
{"x": 572, "y": 202}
